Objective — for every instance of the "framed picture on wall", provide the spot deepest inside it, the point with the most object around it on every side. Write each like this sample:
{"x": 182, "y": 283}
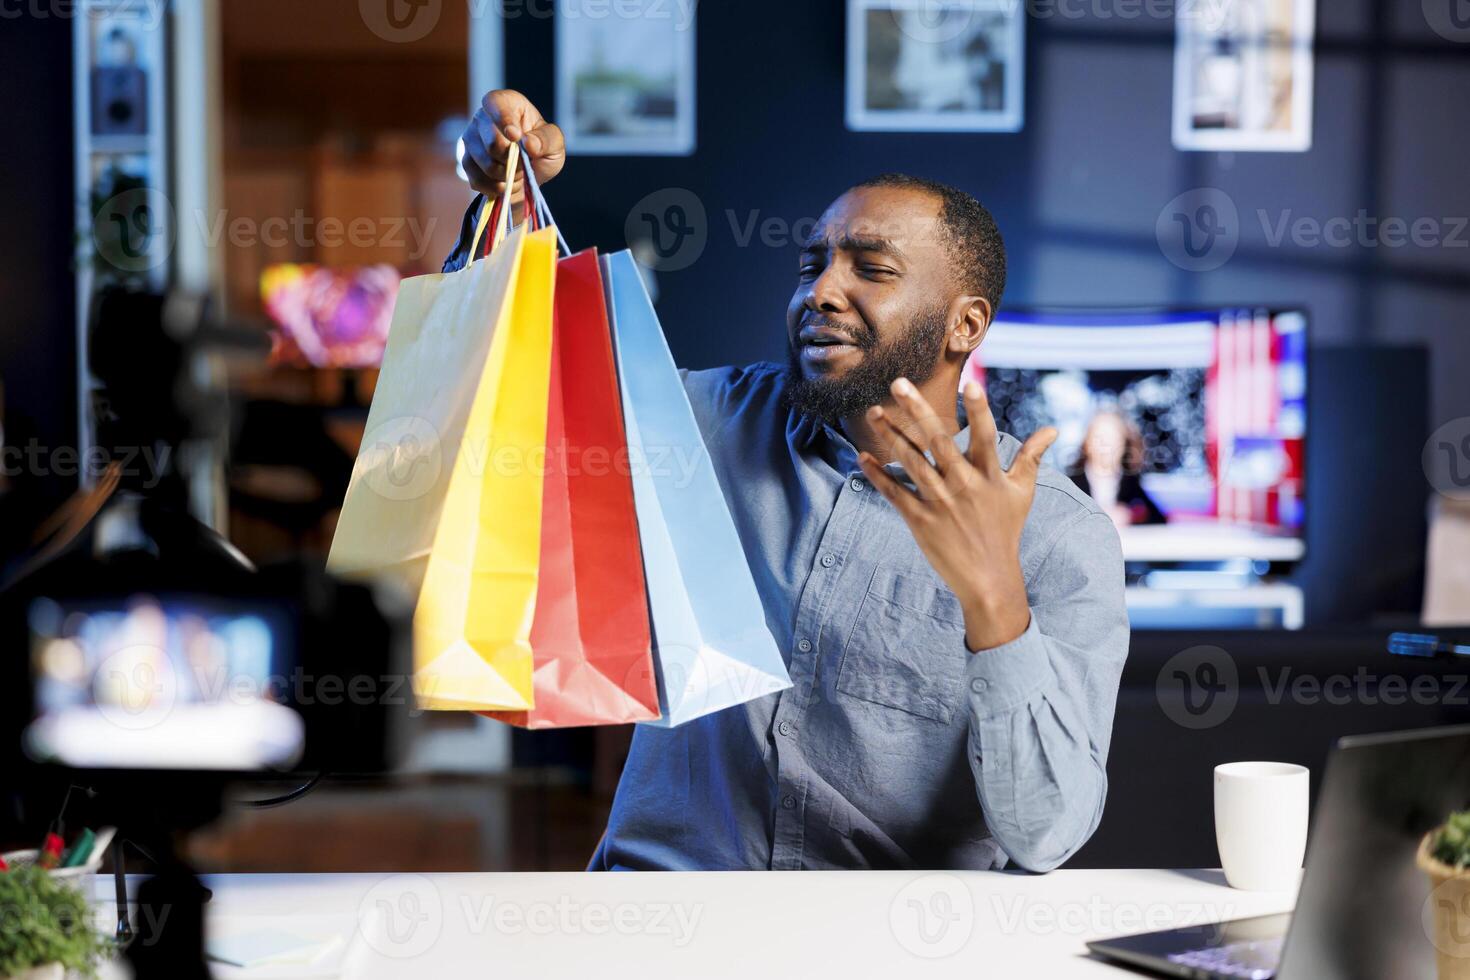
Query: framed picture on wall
{"x": 935, "y": 65}
{"x": 1243, "y": 75}
{"x": 625, "y": 76}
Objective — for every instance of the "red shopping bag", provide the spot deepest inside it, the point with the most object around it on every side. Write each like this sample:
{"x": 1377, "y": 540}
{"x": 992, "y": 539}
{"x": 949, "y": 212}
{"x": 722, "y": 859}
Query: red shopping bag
{"x": 590, "y": 637}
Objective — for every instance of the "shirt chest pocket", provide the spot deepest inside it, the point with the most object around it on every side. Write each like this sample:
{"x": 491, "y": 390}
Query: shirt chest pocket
{"x": 906, "y": 649}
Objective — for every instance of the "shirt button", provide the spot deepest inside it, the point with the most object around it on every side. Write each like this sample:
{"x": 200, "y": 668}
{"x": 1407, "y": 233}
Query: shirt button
{"x": 788, "y": 802}
{"x": 858, "y": 484}
{"x": 979, "y": 685}
{"x": 805, "y": 646}
{"x": 784, "y": 728}
{"x": 828, "y": 561}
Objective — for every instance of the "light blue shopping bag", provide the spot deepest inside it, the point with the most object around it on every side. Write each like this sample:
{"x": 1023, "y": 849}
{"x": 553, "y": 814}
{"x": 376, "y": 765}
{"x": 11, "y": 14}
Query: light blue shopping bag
{"x": 712, "y": 648}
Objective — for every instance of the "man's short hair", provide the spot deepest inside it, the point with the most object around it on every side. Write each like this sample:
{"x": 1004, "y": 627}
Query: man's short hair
{"x": 978, "y": 251}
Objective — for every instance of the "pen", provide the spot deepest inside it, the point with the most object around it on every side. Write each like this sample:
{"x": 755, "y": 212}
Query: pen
{"x": 81, "y": 849}
{"x": 104, "y": 838}
{"x": 1424, "y": 645}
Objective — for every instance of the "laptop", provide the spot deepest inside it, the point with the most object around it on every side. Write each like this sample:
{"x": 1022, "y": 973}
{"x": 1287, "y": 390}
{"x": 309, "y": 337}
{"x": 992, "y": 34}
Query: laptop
{"x": 1358, "y": 913}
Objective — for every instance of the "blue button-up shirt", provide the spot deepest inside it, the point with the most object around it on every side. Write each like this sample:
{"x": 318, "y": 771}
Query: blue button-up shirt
{"x": 895, "y": 746}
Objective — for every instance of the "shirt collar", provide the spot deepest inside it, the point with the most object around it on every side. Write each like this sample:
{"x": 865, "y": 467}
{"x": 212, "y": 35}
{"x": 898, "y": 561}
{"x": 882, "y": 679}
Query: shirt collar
{"x": 813, "y": 435}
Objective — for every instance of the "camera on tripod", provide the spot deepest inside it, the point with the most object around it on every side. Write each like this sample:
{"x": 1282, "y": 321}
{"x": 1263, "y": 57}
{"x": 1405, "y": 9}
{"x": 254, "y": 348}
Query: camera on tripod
{"x": 154, "y": 665}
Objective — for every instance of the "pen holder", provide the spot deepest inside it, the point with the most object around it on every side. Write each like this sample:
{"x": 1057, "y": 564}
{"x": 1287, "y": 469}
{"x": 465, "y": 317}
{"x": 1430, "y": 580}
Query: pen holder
{"x": 51, "y": 971}
{"x": 1445, "y": 919}
{"x": 19, "y": 859}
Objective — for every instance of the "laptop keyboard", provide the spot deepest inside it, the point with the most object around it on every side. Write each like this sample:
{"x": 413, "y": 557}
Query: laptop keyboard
{"x": 1256, "y": 960}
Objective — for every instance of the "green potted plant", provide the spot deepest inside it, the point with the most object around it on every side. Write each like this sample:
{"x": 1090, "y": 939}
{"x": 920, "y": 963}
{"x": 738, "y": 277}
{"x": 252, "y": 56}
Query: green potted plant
{"x": 1444, "y": 855}
{"x": 46, "y": 928}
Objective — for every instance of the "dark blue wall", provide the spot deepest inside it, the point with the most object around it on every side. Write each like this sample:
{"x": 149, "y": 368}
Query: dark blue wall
{"x": 37, "y": 290}
{"x": 1077, "y": 193}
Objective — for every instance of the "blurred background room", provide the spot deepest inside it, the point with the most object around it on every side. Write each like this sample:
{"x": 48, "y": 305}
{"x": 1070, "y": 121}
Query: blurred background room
{"x": 1279, "y": 183}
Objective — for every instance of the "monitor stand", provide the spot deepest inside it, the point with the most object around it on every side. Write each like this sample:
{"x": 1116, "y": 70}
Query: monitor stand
{"x": 1232, "y": 596}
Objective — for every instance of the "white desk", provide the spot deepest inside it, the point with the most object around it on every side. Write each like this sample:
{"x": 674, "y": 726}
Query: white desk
{"x": 749, "y": 926}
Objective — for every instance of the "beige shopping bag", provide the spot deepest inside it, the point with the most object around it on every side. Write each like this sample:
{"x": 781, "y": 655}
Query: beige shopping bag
{"x": 446, "y": 494}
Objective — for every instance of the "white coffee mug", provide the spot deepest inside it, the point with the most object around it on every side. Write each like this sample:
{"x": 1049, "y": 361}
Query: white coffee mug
{"x": 1261, "y": 824}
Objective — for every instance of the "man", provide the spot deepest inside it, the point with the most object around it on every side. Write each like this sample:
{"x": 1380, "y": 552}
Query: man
{"x": 953, "y": 623}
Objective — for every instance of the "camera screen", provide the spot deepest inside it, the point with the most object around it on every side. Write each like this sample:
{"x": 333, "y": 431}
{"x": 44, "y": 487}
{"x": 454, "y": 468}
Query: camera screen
{"x": 162, "y": 683}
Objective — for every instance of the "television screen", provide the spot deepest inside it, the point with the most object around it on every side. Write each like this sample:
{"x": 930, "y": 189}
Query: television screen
{"x": 1188, "y": 428}
{"x": 162, "y": 683}
{"x": 330, "y": 318}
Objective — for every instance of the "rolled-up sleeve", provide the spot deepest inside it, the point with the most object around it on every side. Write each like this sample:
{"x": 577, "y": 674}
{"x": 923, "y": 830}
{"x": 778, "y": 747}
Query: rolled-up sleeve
{"x": 457, "y": 258}
{"x": 1041, "y": 706}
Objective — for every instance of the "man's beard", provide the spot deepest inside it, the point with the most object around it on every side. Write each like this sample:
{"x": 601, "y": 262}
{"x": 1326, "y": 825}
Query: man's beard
{"x": 913, "y": 355}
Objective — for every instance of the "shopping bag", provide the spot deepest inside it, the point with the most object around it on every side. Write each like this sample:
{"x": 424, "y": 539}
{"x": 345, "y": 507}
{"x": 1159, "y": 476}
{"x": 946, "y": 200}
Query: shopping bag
{"x": 433, "y": 366}
{"x": 712, "y": 648}
{"x": 590, "y": 640}
{"x": 472, "y": 625}
{"x": 445, "y": 494}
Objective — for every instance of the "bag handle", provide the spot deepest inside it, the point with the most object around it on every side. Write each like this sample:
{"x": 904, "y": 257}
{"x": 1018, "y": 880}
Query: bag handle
{"x": 500, "y": 213}
{"x": 533, "y": 222}
{"x": 536, "y": 203}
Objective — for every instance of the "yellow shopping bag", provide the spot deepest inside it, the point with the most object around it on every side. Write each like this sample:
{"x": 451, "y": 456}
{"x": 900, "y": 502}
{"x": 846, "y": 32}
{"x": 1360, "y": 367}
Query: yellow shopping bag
{"x": 472, "y": 627}
{"x": 446, "y": 493}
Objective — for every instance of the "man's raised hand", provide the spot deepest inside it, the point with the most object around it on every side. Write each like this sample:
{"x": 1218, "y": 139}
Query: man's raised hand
{"x": 966, "y": 512}
{"x": 504, "y": 117}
